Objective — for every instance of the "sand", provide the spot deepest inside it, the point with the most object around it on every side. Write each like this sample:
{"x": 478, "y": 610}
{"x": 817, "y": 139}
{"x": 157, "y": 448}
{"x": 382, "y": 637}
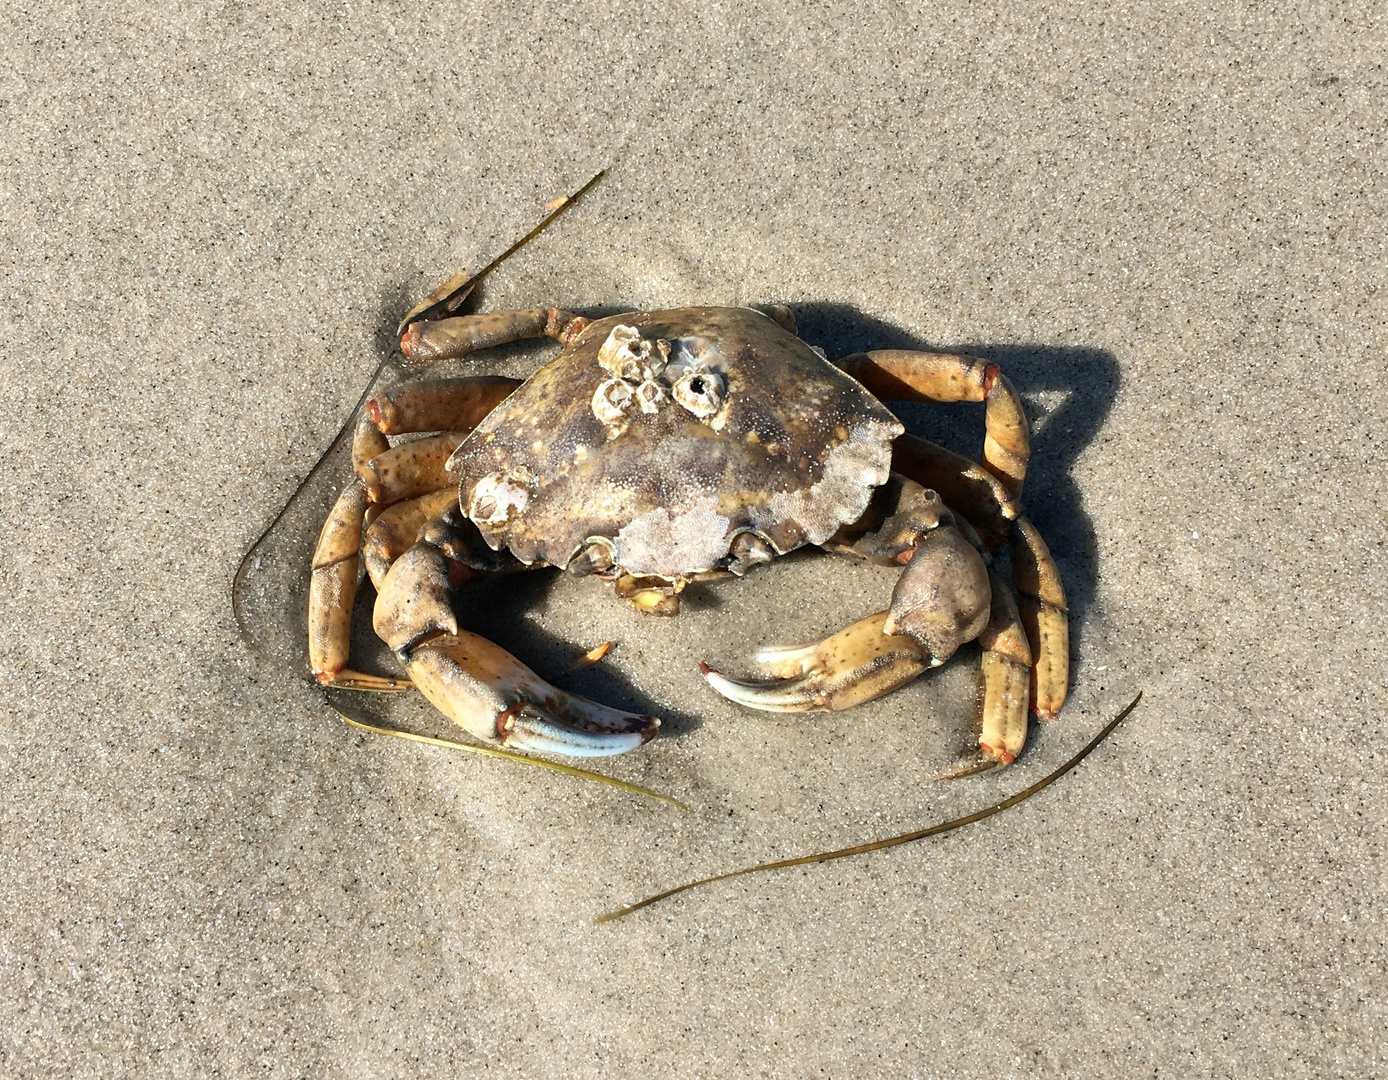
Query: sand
{"x": 1166, "y": 225}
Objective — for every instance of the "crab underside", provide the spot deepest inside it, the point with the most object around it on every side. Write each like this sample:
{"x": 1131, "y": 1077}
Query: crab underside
{"x": 663, "y": 447}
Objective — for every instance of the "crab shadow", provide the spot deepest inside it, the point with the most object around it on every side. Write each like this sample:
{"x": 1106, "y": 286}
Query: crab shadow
{"x": 496, "y": 611}
{"x": 1068, "y": 393}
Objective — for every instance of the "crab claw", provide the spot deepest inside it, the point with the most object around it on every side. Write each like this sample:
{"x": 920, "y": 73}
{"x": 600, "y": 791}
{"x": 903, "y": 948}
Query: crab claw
{"x": 479, "y": 685}
{"x": 858, "y": 664}
{"x": 494, "y": 697}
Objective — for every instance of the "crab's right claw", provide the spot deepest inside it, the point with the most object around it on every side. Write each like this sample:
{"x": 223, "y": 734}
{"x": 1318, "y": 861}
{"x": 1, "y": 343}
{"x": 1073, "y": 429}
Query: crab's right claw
{"x": 858, "y": 664}
{"x": 479, "y": 685}
{"x": 494, "y": 697}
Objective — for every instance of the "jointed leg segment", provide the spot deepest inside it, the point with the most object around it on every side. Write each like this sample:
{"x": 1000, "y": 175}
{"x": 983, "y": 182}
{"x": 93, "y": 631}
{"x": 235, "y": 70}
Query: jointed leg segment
{"x": 425, "y": 342}
{"x": 907, "y": 375}
{"x": 1001, "y": 702}
{"x": 1045, "y": 617}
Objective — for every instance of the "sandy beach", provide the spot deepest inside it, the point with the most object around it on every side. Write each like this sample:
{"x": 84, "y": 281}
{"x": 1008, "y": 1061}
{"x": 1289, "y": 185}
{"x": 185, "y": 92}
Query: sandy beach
{"x": 1166, "y": 226}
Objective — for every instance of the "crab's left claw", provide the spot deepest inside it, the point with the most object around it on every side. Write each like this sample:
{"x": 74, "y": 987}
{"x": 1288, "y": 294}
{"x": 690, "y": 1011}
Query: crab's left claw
{"x": 479, "y": 685}
{"x": 858, "y": 664}
{"x": 940, "y": 601}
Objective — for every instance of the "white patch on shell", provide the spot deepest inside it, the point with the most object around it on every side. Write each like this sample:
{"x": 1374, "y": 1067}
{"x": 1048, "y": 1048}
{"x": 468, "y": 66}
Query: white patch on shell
{"x": 500, "y": 497}
{"x": 671, "y": 543}
{"x": 852, "y": 470}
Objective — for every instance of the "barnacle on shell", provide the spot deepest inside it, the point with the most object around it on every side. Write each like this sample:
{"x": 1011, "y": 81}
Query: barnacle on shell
{"x": 612, "y": 399}
{"x": 628, "y": 355}
{"x": 650, "y": 394}
{"x": 699, "y": 390}
{"x": 617, "y": 344}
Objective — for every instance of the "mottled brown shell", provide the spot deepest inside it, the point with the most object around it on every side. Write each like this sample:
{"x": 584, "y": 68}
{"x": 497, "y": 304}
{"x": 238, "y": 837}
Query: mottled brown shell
{"x": 746, "y": 429}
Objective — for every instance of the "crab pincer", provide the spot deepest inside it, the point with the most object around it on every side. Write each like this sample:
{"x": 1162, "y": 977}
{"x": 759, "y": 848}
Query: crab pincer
{"x": 495, "y": 698}
{"x": 479, "y": 685}
{"x": 940, "y": 601}
{"x": 859, "y": 663}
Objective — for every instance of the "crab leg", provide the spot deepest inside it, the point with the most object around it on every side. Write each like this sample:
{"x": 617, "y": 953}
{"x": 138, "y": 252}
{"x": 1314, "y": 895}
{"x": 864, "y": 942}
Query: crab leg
{"x": 1001, "y": 702}
{"x": 906, "y": 375}
{"x": 411, "y": 469}
{"x": 331, "y": 591}
{"x": 479, "y": 685}
{"x": 1003, "y": 680}
{"x": 451, "y": 407}
{"x": 425, "y": 342}
{"x": 367, "y": 443}
{"x": 333, "y": 585}
{"x": 909, "y": 375}
{"x": 439, "y": 404}
{"x": 333, "y": 581}
{"x": 1045, "y": 617}
{"x": 1007, "y": 435}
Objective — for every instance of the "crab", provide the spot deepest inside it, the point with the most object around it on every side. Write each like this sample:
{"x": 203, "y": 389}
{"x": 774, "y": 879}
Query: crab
{"x": 664, "y": 447}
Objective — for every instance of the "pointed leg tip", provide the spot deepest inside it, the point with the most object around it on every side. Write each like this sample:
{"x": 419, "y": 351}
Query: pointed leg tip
{"x": 981, "y": 761}
{"x": 706, "y": 669}
{"x": 1045, "y": 715}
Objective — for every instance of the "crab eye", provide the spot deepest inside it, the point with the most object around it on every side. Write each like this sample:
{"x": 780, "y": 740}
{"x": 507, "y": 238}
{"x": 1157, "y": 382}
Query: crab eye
{"x": 700, "y": 392}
